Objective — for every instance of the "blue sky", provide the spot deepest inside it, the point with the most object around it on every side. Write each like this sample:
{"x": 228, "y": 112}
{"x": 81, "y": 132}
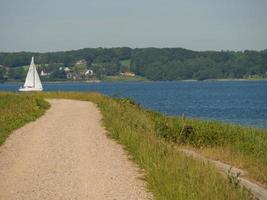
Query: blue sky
{"x": 52, "y": 25}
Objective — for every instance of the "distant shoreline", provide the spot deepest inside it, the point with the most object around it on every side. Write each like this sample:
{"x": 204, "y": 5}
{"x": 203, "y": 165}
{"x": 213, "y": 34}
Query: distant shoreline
{"x": 237, "y": 79}
{"x": 114, "y": 81}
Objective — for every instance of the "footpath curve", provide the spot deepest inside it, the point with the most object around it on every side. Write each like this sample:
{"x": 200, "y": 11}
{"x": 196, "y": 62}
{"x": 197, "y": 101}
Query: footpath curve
{"x": 66, "y": 154}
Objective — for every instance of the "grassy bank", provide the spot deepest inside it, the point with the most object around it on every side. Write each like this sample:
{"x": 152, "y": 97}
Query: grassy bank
{"x": 17, "y": 110}
{"x": 243, "y": 147}
{"x": 151, "y": 139}
{"x": 120, "y": 78}
{"x": 170, "y": 174}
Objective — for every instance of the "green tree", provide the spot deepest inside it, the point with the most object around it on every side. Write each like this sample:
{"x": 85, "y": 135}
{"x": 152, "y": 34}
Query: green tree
{"x": 2, "y": 74}
{"x": 17, "y": 73}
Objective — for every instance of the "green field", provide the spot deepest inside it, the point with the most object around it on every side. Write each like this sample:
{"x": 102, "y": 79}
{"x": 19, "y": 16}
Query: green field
{"x": 152, "y": 140}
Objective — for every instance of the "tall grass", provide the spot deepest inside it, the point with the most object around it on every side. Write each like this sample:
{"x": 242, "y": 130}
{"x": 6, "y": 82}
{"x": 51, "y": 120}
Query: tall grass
{"x": 243, "y": 147}
{"x": 170, "y": 174}
{"x": 151, "y": 140}
{"x": 17, "y": 110}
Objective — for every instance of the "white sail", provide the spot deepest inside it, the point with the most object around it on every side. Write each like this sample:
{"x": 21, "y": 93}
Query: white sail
{"x": 29, "y": 82}
{"x": 32, "y": 82}
{"x": 37, "y": 81}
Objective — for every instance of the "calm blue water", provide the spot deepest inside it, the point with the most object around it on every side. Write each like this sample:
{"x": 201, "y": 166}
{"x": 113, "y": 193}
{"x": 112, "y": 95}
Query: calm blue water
{"x": 241, "y": 102}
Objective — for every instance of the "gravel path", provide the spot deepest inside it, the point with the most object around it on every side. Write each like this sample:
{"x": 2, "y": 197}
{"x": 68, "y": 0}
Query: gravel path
{"x": 66, "y": 155}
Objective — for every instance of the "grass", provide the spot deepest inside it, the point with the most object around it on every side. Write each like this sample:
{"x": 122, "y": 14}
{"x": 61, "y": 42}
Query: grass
{"x": 17, "y": 110}
{"x": 243, "y": 147}
{"x": 169, "y": 174}
{"x": 151, "y": 140}
{"x": 124, "y": 78}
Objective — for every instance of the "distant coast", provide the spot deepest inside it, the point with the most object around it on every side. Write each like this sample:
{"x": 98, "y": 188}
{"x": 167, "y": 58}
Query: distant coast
{"x": 156, "y": 64}
{"x": 114, "y": 80}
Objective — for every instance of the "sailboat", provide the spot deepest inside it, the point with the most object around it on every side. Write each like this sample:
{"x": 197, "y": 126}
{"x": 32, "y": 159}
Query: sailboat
{"x": 32, "y": 82}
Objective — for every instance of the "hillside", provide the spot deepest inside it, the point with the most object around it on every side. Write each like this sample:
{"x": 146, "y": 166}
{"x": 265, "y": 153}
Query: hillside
{"x": 151, "y": 63}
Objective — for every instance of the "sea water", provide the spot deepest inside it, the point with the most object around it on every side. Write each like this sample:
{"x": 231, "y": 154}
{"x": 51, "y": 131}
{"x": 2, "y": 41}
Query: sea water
{"x": 239, "y": 102}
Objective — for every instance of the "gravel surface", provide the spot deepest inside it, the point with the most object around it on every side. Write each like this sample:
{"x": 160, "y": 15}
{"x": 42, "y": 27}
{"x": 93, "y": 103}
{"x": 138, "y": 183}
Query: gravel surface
{"x": 66, "y": 155}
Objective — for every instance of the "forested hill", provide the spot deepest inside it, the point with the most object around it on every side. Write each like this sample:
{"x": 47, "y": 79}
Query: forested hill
{"x": 179, "y": 64}
{"x": 152, "y": 63}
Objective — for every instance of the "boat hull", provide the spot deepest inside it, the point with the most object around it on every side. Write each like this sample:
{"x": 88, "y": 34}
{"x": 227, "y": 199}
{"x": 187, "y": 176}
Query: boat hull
{"x": 30, "y": 89}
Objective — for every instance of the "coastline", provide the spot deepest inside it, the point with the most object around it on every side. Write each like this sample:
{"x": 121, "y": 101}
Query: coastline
{"x": 143, "y": 81}
{"x": 205, "y": 137}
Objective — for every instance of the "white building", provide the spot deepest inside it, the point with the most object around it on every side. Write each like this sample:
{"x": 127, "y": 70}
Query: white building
{"x": 89, "y": 72}
{"x": 66, "y": 69}
{"x": 81, "y": 62}
{"x": 43, "y": 73}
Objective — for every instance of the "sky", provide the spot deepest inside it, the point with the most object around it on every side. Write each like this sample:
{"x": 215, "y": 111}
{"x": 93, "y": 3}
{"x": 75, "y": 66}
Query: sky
{"x": 60, "y": 25}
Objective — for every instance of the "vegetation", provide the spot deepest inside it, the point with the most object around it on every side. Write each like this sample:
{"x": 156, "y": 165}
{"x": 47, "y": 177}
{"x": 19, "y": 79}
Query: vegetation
{"x": 151, "y": 63}
{"x": 152, "y": 140}
{"x": 243, "y": 147}
{"x": 123, "y": 78}
{"x": 2, "y": 74}
{"x": 125, "y": 65}
{"x": 17, "y": 110}
{"x": 169, "y": 173}
{"x": 179, "y": 64}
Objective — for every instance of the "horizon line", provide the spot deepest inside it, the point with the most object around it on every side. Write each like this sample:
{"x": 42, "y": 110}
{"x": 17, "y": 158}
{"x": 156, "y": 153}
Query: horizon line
{"x": 149, "y": 47}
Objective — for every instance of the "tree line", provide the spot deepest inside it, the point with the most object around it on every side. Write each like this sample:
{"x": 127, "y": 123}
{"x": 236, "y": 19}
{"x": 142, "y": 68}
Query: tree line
{"x": 152, "y": 63}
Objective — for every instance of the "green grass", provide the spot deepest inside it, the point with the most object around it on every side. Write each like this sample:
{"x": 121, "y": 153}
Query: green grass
{"x": 243, "y": 147}
{"x": 169, "y": 174}
{"x": 17, "y": 110}
{"x": 124, "y": 78}
{"x": 152, "y": 139}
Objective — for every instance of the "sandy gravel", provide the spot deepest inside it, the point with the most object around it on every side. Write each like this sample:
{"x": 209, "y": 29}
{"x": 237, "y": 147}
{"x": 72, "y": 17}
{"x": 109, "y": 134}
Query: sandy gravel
{"x": 66, "y": 155}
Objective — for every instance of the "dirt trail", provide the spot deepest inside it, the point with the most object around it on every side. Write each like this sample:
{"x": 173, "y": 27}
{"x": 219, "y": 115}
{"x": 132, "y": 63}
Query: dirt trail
{"x": 66, "y": 155}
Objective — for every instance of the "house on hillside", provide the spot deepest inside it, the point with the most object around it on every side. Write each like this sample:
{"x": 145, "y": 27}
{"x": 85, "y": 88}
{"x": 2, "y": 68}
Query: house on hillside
{"x": 66, "y": 69}
{"x": 79, "y": 74}
{"x": 44, "y": 73}
{"x": 89, "y": 72}
{"x": 81, "y": 62}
